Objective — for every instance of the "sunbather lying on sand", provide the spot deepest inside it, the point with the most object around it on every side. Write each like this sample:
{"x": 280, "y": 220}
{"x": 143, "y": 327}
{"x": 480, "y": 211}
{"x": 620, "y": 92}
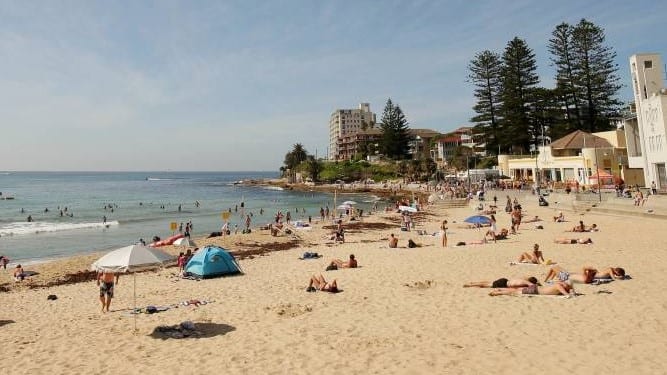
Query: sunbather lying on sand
{"x": 471, "y": 242}
{"x": 581, "y": 241}
{"x": 536, "y": 218}
{"x": 318, "y": 283}
{"x": 352, "y": 263}
{"x": 535, "y": 256}
{"x": 582, "y": 228}
{"x": 587, "y": 275}
{"x": 503, "y": 283}
{"x": 559, "y": 288}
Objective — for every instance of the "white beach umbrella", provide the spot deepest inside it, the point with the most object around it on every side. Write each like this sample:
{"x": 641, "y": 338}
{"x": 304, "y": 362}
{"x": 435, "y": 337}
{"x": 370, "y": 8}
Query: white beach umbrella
{"x": 185, "y": 242}
{"x": 344, "y": 207}
{"x": 407, "y": 209}
{"x": 131, "y": 259}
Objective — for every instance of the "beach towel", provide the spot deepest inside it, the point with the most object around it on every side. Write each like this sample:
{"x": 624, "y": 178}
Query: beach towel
{"x": 550, "y": 295}
{"x": 547, "y": 263}
{"x": 179, "y": 331}
{"x": 309, "y": 255}
{"x": 523, "y": 263}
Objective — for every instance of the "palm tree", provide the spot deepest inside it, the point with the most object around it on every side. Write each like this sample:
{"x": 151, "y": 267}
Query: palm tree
{"x": 299, "y": 153}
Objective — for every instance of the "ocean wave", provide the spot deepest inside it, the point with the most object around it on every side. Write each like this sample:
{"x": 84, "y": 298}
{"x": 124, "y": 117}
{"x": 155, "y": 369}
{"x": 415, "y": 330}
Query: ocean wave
{"x": 23, "y": 228}
{"x": 374, "y": 198}
{"x": 272, "y": 188}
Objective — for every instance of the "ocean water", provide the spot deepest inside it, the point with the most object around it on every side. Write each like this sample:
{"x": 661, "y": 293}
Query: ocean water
{"x": 144, "y": 205}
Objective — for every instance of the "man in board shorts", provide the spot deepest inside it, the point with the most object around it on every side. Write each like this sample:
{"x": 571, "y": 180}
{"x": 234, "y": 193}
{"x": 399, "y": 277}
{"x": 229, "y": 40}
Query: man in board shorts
{"x": 106, "y": 281}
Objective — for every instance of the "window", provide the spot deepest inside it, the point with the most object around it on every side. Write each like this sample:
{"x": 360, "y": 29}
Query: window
{"x": 648, "y": 64}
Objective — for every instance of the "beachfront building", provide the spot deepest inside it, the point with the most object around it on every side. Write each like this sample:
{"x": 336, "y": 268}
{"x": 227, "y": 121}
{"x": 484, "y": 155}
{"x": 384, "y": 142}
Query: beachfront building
{"x": 445, "y": 146}
{"x": 645, "y": 129}
{"x": 351, "y": 145}
{"x": 579, "y": 158}
{"x": 420, "y": 143}
{"x": 347, "y": 122}
{"x": 367, "y": 142}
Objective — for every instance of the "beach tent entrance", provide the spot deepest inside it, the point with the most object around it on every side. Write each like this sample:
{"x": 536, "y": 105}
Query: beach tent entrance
{"x": 212, "y": 261}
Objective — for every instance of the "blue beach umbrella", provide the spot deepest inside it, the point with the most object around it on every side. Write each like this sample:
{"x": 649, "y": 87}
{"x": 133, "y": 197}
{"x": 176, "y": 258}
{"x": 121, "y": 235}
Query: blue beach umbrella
{"x": 478, "y": 220}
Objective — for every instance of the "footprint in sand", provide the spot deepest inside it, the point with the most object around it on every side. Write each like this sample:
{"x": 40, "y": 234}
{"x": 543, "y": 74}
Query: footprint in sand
{"x": 289, "y": 310}
{"x": 421, "y": 284}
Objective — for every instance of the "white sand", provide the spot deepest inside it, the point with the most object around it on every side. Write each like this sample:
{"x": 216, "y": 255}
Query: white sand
{"x": 387, "y": 319}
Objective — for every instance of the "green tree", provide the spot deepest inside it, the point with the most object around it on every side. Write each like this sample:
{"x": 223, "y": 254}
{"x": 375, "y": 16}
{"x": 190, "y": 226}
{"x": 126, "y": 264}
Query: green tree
{"x": 428, "y": 167}
{"x": 563, "y": 59}
{"x": 295, "y": 157}
{"x": 519, "y": 80}
{"x": 546, "y": 112}
{"x": 314, "y": 167}
{"x": 395, "y": 137}
{"x": 460, "y": 158}
{"x": 486, "y": 75}
{"x": 596, "y": 76}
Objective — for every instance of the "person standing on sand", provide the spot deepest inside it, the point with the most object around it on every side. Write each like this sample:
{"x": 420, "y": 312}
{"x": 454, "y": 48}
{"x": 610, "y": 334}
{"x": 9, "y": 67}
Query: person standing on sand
{"x": 443, "y": 233}
{"x": 106, "y": 281}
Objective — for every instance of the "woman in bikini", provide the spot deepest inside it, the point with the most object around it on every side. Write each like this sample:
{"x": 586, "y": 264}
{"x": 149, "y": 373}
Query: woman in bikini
{"x": 443, "y": 233}
{"x": 534, "y": 257}
{"x": 492, "y": 232}
{"x": 318, "y": 283}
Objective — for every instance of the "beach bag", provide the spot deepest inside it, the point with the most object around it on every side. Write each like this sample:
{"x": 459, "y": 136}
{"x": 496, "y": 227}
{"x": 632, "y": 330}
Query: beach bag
{"x": 331, "y": 267}
{"x": 411, "y": 244}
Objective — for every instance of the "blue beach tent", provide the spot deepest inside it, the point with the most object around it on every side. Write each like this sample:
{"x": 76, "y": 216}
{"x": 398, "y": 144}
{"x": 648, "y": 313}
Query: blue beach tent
{"x": 212, "y": 261}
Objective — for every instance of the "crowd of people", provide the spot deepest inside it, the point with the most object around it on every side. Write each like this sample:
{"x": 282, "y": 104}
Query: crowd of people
{"x": 559, "y": 281}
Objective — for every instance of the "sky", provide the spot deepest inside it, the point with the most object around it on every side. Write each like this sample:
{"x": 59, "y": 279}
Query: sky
{"x": 233, "y": 85}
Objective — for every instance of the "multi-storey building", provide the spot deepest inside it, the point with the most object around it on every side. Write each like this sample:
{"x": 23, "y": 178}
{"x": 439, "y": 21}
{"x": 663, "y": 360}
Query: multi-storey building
{"x": 420, "y": 143}
{"x": 645, "y": 134}
{"x": 447, "y": 145}
{"x": 346, "y": 122}
{"x": 367, "y": 142}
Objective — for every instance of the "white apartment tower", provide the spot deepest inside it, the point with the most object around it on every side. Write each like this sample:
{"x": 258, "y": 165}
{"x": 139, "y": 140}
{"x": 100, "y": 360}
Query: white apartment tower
{"x": 348, "y": 121}
{"x": 646, "y": 142}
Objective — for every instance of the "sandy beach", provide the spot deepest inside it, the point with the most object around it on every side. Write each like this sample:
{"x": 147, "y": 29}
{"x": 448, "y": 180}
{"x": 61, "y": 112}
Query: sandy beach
{"x": 404, "y": 311}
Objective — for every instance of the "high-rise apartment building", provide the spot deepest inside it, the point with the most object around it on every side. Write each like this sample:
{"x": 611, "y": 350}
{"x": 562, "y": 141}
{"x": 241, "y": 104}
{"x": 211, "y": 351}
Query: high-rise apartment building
{"x": 345, "y": 122}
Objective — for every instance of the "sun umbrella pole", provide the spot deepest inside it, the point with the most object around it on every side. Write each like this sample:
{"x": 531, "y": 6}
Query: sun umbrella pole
{"x": 134, "y": 311}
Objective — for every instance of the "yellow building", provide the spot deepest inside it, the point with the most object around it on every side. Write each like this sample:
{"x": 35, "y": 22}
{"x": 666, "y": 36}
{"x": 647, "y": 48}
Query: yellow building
{"x": 578, "y": 157}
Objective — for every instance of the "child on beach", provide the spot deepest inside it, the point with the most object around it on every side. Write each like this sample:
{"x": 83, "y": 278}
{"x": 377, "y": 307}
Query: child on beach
{"x": 19, "y": 273}
{"x": 181, "y": 262}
